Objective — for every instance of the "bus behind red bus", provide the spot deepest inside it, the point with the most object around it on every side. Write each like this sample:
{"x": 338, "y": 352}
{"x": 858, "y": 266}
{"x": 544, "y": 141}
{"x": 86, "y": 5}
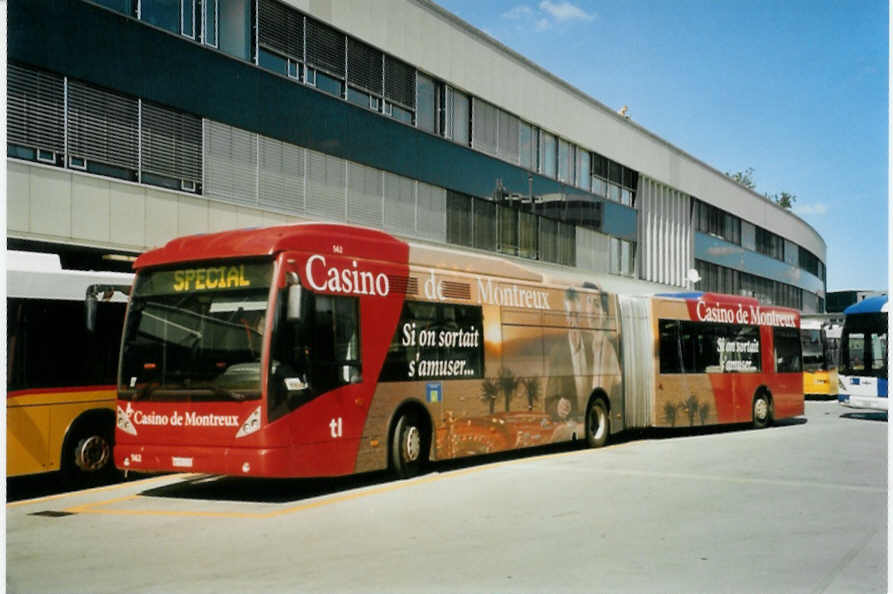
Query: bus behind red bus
{"x": 320, "y": 350}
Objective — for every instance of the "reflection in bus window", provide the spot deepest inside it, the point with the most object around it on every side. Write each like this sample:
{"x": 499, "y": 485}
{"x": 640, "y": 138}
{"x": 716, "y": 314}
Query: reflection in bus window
{"x": 705, "y": 347}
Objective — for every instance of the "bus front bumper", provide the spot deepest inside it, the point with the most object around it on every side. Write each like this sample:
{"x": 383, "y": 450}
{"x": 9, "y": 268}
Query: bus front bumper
{"x": 269, "y": 462}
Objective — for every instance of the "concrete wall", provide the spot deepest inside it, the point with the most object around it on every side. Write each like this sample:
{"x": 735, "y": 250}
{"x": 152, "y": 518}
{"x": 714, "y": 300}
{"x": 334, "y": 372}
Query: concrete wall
{"x": 59, "y": 205}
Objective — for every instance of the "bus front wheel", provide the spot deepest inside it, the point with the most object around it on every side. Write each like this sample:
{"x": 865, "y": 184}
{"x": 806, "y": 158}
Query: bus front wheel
{"x": 87, "y": 456}
{"x": 597, "y": 423}
{"x": 762, "y": 411}
{"x": 408, "y": 446}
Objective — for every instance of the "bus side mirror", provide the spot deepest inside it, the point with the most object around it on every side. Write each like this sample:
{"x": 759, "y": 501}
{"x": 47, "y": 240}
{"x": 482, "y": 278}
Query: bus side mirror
{"x": 293, "y": 309}
{"x": 90, "y": 303}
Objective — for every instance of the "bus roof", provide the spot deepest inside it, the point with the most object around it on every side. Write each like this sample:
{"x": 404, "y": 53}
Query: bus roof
{"x": 870, "y": 305}
{"x": 32, "y": 275}
{"x": 267, "y": 241}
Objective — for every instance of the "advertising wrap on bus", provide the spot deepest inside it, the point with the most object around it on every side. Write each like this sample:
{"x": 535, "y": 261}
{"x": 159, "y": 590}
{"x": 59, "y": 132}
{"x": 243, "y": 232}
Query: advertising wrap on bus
{"x": 317, "y": 350}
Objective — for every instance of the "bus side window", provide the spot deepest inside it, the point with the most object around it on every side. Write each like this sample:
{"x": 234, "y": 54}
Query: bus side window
{"x": 787, "y": 350}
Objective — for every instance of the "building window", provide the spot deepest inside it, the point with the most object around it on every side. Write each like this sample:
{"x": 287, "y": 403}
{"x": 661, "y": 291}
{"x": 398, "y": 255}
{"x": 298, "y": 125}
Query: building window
{"x": 459, "y": 219}
{"x": 399, "y": 89}
{"x": 35, "y": 115}
{"x": 162, "y": 13}
{"x": 584, "y": 176}
{"x": 280, "y": 29}
{"x": 458, "y": 116}
{"x": 769, "y": 244}
{"x": 127, "y": 7}
{"x": 548, "y": 154}
{"x": 564, "y": 152}
{"x": 209, "y": 23}
{"x": 484, "y": 128}
{"x": 365, "y": 66}
{"x": 171, "y": 148}
{"x": 426, "y": 107}
{"x": 102, "y": 131}
{"x": 325, "y": 50}
{"x": 527, "y": 146}
{"x": 508, "y": 127}
{"x": 234, "y": 26}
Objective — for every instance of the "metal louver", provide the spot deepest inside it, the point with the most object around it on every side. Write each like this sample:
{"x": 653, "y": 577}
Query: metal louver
{"x": 35, "y": 109}
{"x": 484, "y": 127}
{"x": 171, "y": 143}
{"x": 364, "y": 66}
{"x": 102, "y": 126}
{"x": 281, "y": 29}
{"x": 325, "y": 48}
{"x": 399, "y": 82}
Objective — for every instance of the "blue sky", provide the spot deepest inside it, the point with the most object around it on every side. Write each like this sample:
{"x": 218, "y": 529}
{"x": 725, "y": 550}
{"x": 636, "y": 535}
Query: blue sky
{"x": 796, "y": 90}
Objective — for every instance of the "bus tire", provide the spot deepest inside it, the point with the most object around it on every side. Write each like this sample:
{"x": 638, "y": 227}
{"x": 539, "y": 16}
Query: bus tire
{"x": 408, "y": 445}
{"x": 762, "y": 410}
{"x": 87, "y": 455}
{"x": 598, "y": 423}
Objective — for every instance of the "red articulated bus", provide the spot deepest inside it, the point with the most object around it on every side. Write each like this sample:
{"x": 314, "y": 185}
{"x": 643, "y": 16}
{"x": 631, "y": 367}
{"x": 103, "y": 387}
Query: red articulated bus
{"x": 320, "y": 349}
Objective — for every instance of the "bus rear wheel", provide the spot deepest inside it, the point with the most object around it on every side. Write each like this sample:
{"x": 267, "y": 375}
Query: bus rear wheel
{"x": 409, "y": 451}
{"x": 762, "y": 411}
{"x": 597, "y": 423}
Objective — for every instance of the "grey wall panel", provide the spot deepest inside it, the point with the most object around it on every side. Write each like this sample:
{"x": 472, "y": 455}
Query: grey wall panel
{"x": 326, "y": 188}
{"x": 364, "y": 195}
{"x": 281, "y": 182}
{"x": 399, "y": 203}
{"x": 665, "y": 238}
{"x": 230, "y": 164}
{"x": 431, "y": 215}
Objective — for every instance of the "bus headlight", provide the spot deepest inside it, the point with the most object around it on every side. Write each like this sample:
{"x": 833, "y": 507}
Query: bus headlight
{"x": 251, "y": 424}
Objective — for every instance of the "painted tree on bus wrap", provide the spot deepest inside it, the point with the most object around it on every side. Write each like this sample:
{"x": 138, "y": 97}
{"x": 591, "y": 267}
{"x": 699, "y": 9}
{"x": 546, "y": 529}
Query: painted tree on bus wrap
{"x": 507, "y": 383}
{"x": 489, "y": 392}
{"x": 532, "y": 389}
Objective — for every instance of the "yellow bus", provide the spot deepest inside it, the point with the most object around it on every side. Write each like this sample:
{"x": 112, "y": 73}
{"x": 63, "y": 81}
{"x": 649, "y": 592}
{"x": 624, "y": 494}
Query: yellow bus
{"x": 819, "y": 335}
{"x": 60, "y": 378}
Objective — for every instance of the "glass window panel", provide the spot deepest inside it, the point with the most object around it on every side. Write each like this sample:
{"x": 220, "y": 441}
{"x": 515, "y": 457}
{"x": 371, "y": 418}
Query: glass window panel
{"x": 460, "y": 117}
{"x": 235, "y": 27}
{"x": 124, "y": 6}
{"x": 563, "y": 160}
{"x": 526, "y": 143}
{"x": 426, "y": 108}
{"x": 210, "y": 22}
{"x": 583, "y": 176}
{"x": 188, "y": 20}
{"x": 485, "y": 224}
{"x": 748, "y": 236}
{"x": 548, "y": 154}
{"x": 508, "y": 230}
{"x": 272, "y": 62}
{"x": 614, "y": 192}
{"x": 161, "y": 13}
{"x": 358, "y": 97}
{"x": 330, "y": 85}
{"x": 459, "y": 219}
{"x": 599, "y": 187}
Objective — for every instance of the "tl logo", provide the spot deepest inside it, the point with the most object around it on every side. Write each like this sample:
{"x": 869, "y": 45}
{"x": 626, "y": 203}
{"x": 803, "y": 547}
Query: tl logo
{"x": 336, "y": 427}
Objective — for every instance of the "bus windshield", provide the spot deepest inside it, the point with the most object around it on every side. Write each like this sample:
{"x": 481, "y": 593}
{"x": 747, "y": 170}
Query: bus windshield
{"x": 814, "y": 349}
{"x": 864, "y": 345}
{"x": 196, "y": 333}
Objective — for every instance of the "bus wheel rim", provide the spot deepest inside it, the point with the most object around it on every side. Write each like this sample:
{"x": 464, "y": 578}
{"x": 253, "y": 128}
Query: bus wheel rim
{"x": 412, "y": 444}
{"x": 761, "y": 408}
{"x": 596, "y": 425}
{"x": 92, "y": 453}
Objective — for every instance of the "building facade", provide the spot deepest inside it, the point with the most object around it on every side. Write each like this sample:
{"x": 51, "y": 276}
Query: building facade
{"x": 131, "y": 122}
